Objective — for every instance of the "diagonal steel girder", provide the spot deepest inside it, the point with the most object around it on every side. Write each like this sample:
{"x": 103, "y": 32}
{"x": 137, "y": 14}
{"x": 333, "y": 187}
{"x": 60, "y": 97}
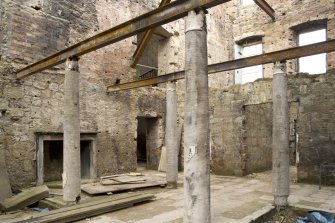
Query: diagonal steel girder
{"x": 145, "y": 40}
{"x": 150, "y": 20}
{"x": 286, "y": 54}
{"x": 266, "y": 8}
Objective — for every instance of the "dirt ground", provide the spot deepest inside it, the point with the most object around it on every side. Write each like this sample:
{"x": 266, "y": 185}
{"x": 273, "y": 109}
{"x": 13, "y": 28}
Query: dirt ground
{"x": 284, "y": 216}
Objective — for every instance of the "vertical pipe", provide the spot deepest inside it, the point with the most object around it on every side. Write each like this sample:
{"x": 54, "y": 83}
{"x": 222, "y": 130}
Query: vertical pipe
{"x": 196, "y": 121}
{"x": 280, "y": 137}
{"x": 71, "y": 169}
{"x": 171, "y": 135}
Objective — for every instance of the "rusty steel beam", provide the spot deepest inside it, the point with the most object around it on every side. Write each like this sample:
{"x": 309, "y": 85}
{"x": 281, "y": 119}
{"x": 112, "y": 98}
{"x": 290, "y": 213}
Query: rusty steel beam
{"x": 150, "y": 20}
{"x": 145, "y": 40}
{"x": 266, "y": 8}
{"x": 287, "y": 54}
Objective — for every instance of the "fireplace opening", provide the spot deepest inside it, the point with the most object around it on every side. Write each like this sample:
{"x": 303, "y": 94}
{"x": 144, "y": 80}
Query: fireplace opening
{"x": 53, "y": 159}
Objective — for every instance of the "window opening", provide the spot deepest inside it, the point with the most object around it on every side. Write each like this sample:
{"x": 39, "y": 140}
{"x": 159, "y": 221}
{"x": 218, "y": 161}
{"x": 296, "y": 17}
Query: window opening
{"x": 315, "y": 64}
{"x": 248, "y": 74}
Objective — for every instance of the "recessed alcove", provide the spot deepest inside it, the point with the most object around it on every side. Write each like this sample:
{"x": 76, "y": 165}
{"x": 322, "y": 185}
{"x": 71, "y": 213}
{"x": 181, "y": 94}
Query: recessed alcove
{"x": 49, "y": 156}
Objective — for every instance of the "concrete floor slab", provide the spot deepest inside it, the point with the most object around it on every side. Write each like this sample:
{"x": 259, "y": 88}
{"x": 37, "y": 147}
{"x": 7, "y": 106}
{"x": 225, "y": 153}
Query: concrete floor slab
{"x": 233, "y": 200}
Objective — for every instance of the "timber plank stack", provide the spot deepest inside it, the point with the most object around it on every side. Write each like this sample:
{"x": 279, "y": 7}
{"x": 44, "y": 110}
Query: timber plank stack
{"x": 82, "y": 211}
{"x": 25, "y": 198}
{"x": 121, "y": 183}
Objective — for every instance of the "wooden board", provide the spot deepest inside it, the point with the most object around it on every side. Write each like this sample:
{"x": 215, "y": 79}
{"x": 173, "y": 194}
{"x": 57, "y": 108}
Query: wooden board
{"x": 25, "y": 198}
{"x": 51, "y": 203}
{"x": 97, "y": 188}
{"x": 123, "y": 179}
{"x": 78, "y": 212}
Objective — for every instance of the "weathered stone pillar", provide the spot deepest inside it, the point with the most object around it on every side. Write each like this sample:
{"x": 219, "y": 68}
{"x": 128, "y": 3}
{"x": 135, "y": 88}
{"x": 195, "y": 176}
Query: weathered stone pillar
{"x": 280, "y": 137}
{"x": 196, "y": 121}
{"x": 171, "y": 135}
{"x": 71, "y": 168}
{"x": 5, "y": 188}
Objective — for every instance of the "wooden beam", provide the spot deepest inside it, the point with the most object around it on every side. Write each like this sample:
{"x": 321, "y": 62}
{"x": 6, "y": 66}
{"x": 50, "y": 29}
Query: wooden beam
{"x": 86, "y": 210}
{"x": 145, "y": 40}
{"x": 287, "y": 54}
{"x": 150, "y": 20}
{"x": 266, "y": 8}
{"x": 25, "y": 198}
{"x": 94, "y": 189}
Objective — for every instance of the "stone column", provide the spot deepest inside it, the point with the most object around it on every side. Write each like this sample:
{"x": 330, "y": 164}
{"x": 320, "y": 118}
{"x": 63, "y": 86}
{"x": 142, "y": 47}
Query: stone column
{"x": 5, "y": 188}
{"x": 280, "y": 137}
{"x": 196, "y": 121}
{"x": 71, "y": 168}
{"x": 171, "y": 135}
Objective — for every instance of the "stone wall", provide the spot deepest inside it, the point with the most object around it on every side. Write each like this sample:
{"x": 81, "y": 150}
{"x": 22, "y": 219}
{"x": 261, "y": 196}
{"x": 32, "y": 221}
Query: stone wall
{"x": 29, "y": 35}
{"x": 35, "y": 104}
{"x": 315, "y": 124}
{"x": 219, "y": 28}
{"x": 239, "y": 134}
{"x": 241, "y": 126}
{"x": 250, "y": 20}
{"x": 240, "y": 121}
{"x": 258, "y": 137}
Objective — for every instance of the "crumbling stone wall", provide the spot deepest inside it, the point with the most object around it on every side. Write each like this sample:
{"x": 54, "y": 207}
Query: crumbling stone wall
{"x": 241, "y": 126}
{"x": 220, "y": 36}
{"x": 258, "y": 138}
{"x": 234, "y": 131}
{"x": 28, "y": 35}
{"x": 315, "y": 124}
{"x": 35, "y": 104}
{"x": 31, "y": 30}
{"x": 250, "y": 20}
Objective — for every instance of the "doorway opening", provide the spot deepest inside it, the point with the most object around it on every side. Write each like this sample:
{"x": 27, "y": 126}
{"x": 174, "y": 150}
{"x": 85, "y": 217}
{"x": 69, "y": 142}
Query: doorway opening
{"x": 53, "y": 159}
{"x": 85, "y": 158}
{"x": 147, "y": 142}
{"x": 50, "y": 157}
{"x": 141, "y": 143}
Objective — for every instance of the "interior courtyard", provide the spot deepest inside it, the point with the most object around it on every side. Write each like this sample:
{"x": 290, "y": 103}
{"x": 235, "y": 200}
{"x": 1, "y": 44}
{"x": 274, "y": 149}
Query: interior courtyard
{"x": 157, "y": 111}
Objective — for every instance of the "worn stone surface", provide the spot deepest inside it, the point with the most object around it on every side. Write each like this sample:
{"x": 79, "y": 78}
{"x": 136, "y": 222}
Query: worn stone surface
{"x": 71, "y": 127}
{"x": 243, "y": 113}
{"x": 250, "y": 20}
{"x": 31, "y": 30}
{"x": 196, "y": 121}
{"x": 280, "y": 136}
{"x": 5, "y": 188}
{"x": 233, "y": 200}
{"x": 258, "y": 124}
{"x": 171, "y": 136}
{"x": 36, "y": 103}
{"x": 315, "y": 125}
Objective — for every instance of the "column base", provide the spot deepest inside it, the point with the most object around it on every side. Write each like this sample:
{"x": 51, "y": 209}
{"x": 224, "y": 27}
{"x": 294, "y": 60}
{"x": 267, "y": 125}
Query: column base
{"x": 171, "y": 185}
{"x": 281, "y": 201}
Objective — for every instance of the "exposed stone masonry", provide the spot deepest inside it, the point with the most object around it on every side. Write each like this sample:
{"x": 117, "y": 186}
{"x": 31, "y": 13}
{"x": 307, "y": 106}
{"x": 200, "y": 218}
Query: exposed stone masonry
{"x": 240, "y": 115}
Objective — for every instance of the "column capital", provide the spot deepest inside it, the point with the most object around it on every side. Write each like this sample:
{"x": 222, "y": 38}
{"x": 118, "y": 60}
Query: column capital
{"x": 171, "y": 86}
{"x": 195, "y": 21}
{"x": 279, "y": 67}
{"x": 72, "y": 63}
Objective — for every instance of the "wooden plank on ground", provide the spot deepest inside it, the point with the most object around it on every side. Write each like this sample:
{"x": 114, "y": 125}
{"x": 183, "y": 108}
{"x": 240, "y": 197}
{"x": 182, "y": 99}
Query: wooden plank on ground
{"x": 78, "y": 212}
{"x": 10, "y": 217}
{"x": 51, "y": 203}
{"x": 125, "y": 179}
{"x": 97, "y": 188}
{"x": 25, "y": 198}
